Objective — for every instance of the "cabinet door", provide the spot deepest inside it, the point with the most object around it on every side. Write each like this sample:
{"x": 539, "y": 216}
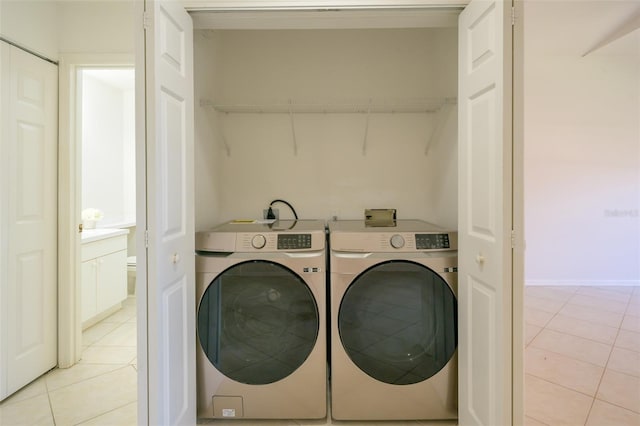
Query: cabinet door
{"x": 111, "y": 287}
{"x": 88, "y": 273}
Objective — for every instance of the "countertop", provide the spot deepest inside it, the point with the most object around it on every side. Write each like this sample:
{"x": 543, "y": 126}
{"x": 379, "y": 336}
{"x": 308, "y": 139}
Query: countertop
{"x": 90, "y": 235}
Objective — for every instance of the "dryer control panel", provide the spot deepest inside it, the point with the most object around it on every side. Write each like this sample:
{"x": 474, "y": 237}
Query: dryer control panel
{"x": 407, "y": 236}
{"x": 432, "y": 241}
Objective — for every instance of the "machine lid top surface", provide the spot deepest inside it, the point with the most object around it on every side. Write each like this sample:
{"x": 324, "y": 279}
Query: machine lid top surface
{"x": 403, "y": 225}
{"x": 277, "y": 226}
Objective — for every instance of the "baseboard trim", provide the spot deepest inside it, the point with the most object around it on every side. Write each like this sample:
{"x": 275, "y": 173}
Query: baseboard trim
{"x": 590, "y": 283}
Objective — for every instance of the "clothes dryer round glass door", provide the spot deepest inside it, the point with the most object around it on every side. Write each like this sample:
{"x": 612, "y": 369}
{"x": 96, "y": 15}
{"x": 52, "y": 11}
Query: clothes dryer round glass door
{"x": 257, "y": 322}
{"x": 398, "y": 322}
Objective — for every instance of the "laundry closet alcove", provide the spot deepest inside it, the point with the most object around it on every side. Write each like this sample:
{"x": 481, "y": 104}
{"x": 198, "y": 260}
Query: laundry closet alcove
{"x": 331, "y": 163}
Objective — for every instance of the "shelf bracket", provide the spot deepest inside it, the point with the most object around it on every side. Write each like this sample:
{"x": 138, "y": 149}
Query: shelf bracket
{"x": 366, "y": 129}
{"x": 293, "y": 129}
{"x": 206, "y": 103}
{"x": 227, "y": 148}
{"x": 440, "y": 120}
{"x": 629, "y": 26}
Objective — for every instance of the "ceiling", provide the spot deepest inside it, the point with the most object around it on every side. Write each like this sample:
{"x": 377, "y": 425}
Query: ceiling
{"x": 568, "y": 27}
{"x": 326, "y": 19}
{"x": 118, "y": 78}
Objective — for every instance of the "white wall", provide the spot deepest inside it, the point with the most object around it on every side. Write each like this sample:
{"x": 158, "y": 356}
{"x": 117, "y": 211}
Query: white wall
{"x": 129, "y": 155}
{"x": 108, "y": 173}
{"x": 96, "y": 26}
{"x": 102, "y": 27}
{"x": 31, "y": 24}
{"x": 330, "y": 175}
{"x": 582, "y": 164}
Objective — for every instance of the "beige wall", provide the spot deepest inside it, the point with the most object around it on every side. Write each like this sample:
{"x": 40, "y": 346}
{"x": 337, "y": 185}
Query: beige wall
{"x": 51, "y": 27}
{"x": 330, "y": 175}
{"x": 96, "y": 26}
{"x": 31, "y": 24}
{"x": 582, "y": 139}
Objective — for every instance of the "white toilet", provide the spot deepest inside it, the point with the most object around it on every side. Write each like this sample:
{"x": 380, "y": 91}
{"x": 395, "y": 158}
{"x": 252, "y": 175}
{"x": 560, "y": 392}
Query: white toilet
{"x": 131, "y": 275}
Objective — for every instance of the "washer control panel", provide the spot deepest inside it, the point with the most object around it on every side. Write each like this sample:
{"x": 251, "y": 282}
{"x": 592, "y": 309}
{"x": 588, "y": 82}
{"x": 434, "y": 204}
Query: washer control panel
{"x": 270, "y": 242}
{"x": 253, "y": 237}
{"x": 294, "y": 241}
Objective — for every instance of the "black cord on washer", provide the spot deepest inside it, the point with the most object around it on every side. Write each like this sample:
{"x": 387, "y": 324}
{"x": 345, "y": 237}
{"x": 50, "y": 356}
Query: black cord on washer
{"x": 271, "y": 215}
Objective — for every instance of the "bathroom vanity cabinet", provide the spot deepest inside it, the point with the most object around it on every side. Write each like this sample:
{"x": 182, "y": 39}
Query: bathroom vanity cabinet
{"x": 103, "y": 272}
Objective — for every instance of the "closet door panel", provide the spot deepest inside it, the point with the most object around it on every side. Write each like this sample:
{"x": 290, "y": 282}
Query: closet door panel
{"x": 169, "y": 187}
{"x": 485, "y": 213}
{"x": 29, "y": 217}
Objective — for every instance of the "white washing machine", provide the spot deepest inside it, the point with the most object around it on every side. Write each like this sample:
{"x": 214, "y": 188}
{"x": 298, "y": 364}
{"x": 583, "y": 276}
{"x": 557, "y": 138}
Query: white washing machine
{"x": 261, "y": 324}
{"x": 393, "y": 321}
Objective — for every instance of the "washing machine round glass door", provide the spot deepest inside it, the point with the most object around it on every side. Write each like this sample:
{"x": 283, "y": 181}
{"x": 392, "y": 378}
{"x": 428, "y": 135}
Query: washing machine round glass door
{"x": 398, "y": 322}
{"x": 257, "y": 322}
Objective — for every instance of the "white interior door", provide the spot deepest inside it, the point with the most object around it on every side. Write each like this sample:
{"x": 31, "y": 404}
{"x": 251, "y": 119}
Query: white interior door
{"x": 168, "y": 360}
{"x": 29, "y": 218}
{"x": 485, "y": 213}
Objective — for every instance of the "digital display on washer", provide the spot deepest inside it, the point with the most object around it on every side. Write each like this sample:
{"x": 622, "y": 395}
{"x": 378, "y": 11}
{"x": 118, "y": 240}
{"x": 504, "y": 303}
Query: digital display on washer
{"x": 294, "y": 241}
{"x": 432, "y": 241}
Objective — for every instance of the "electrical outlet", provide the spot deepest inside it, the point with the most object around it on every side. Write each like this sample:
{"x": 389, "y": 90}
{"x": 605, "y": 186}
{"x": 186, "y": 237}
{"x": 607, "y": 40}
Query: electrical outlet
{"x": 276, "y": 213}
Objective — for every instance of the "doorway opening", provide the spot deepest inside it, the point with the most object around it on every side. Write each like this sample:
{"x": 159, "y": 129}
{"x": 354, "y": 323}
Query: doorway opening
{"x": 105, "y": 117}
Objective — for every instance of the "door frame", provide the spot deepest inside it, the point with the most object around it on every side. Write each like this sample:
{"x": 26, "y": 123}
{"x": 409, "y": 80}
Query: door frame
{"x": 518, "y": 197}
{"x": 69, "y": 198}
{"x": 517, "y": 281}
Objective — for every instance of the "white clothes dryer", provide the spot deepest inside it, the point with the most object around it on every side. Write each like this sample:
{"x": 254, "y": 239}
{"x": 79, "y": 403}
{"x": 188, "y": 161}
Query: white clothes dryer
{"x": 261, "y": 326}
{"x": 393, "y": 321}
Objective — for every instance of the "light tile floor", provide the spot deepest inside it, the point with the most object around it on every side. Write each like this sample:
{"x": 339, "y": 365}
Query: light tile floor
{"x": 582, "y": 368}
{"x": 100, "y": 390}
{"x": 582, "y": 356}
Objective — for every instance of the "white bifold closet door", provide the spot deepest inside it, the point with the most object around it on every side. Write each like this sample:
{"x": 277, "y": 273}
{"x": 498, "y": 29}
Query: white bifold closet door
{"x": 167, "y": 375}
{"x": 28, "y": 217}
{"x": 485, "y": 215}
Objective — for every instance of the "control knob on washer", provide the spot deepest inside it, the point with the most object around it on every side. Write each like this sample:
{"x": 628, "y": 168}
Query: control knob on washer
{"x": 258, "y": 241}
{"x": 397, "y": 241}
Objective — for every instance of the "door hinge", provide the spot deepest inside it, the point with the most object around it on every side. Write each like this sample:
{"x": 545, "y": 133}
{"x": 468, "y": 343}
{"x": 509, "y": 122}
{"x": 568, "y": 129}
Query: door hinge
{"x": 513, "y": 16}
{"x": 513, "y": 239}
{"x": 146, "y": 238}
{"x": 146, "y": 22}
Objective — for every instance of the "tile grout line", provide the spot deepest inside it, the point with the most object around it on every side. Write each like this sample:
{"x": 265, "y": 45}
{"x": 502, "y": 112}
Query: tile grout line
{"x": 579, "y": 337}
{"x": 544, "y": 327}
{"x": 46, "y": 386}
{"x": 595, "y": 397}
{"x": 106, "y": 412}
{"x": 567, "y": 302}
{"x": 120, "y": 367}
{"x": 540, "y": 378}
{"x": 561, "y": 386}
{"x": 536, "y": 419}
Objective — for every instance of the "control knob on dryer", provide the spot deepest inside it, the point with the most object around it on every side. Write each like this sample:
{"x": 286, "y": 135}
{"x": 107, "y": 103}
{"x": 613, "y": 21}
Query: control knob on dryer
{"x": 397, "y": 241}
{"x": 258, "y": 241}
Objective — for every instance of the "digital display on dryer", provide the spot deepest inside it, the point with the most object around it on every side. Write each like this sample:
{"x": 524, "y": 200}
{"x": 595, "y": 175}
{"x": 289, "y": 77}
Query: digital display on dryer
{"x": 294, "y": 241}
{"x": 432, "y": 241}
